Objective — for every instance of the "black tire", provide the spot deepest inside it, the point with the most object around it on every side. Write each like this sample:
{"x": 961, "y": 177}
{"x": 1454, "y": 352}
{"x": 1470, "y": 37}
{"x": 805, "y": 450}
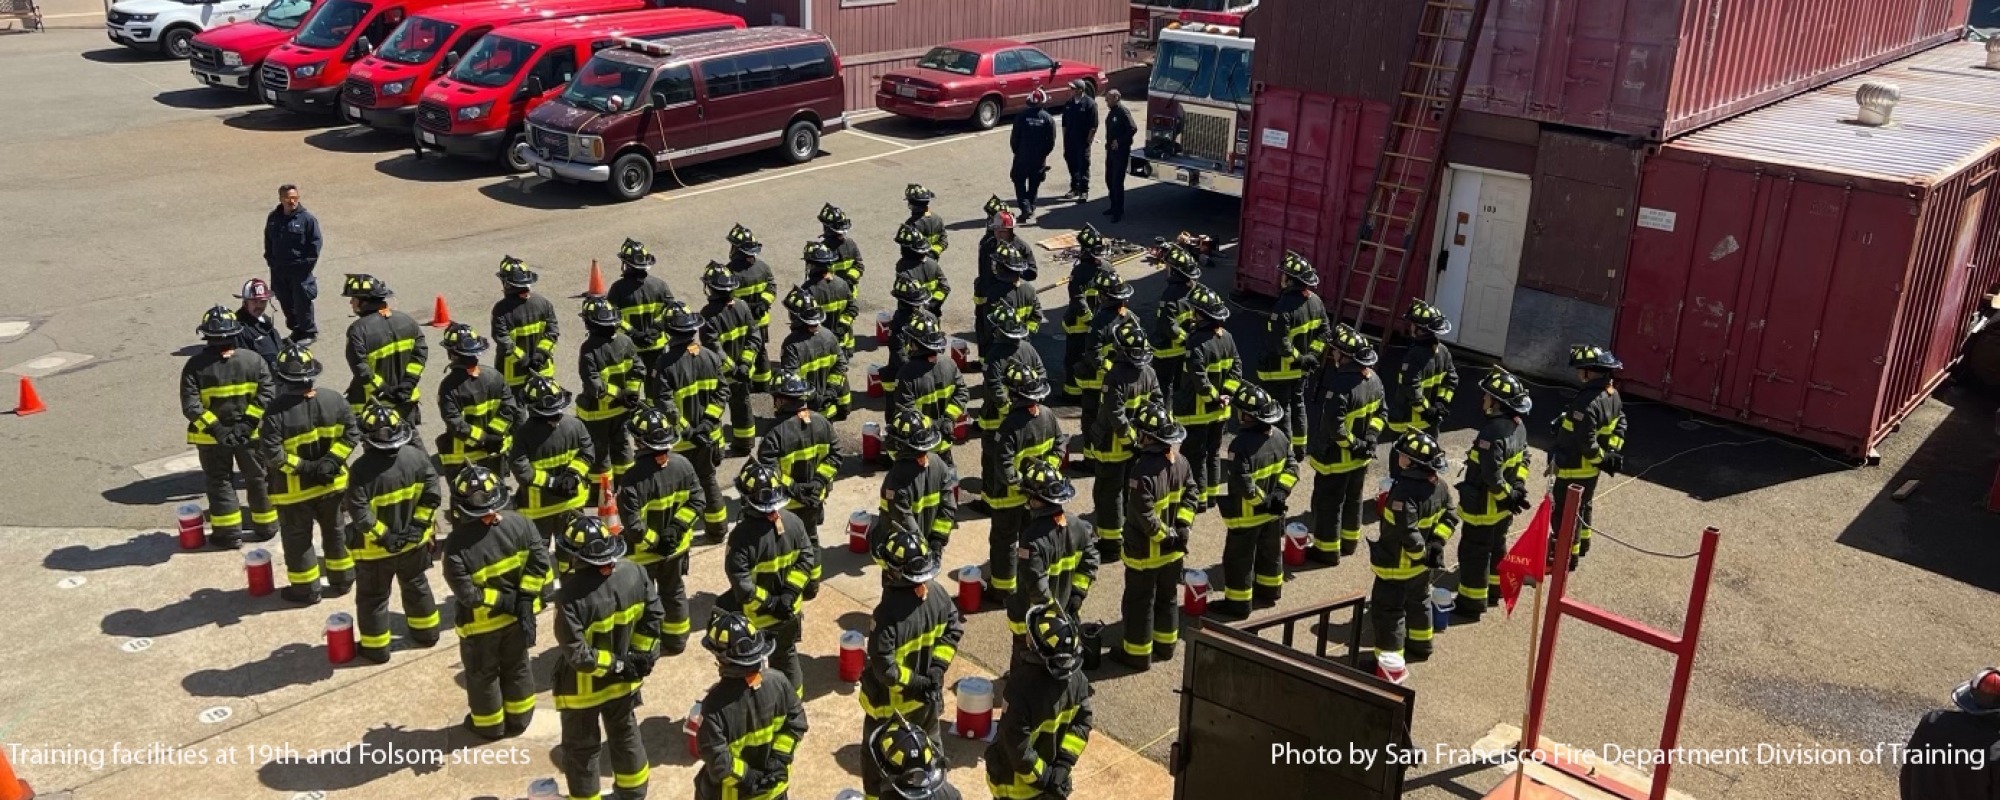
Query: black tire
{"x": 631, "y": 177}
{"x": 178, "y": 42}
{"x": 514, "y": 156}
{"x": 986, "y": 114}
{"x": 801, "y": 142}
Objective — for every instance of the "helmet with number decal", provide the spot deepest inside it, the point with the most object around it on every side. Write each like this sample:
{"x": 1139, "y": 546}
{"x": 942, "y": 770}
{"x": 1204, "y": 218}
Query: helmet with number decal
{"x": 634, "y": 255}
{"x": 1025, "y": 381}
{"x": 1090, "y": 240}
{"x": 366, "y": 287}
{"x": 761, "y": 487}
{"x": 461, "y": 340}
{"x": 1296, "y": 268}
{"x": 1004, "y": 318}
{"x": 544, "y": 397}
{"x": 1427, "y": 317}
{"x": 908, "y": 757}
{"x": 743, "y": 241}
{"x": 515, "y": 273}
{"x": 477, "y": 492}
{"x": 718, "y": 278}
{"x": 1044, "y": 481}
{"x": 1590, "y": 356}
{"x": 1508, "y": 389}
{"x": 1207, "y": 303}
{"x": 1254, "y": 402}
{"x": 1054, "y": 641}
{"x": 916, "y": 194}
{"x": 803, "y": 307}
{"x": 907, "y": 558}
{"x": 925, "y": 332}
{"x": 912, "y": 433}
{"x": 1352, "y": 344}
{"x": 1153, "y": 421}
{"x": 911, "y": 239}
{"x": 1130, "y": 344}
{"x": 909, "y": 291}
{"x": 599, "y": 312}
{"x": 296, "y": 364}
{"x": 1423, "y": 452}
{"x": 735, "y": 641}
{"x": 654, "y": 429}
{"x": 833, "y": 219}
{"x": 383, "y": 428}
{"x": 219, "y": 324}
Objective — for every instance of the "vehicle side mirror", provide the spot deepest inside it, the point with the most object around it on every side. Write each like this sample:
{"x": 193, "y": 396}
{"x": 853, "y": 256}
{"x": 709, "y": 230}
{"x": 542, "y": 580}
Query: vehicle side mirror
{"x": 533, "y": 87}
{"x": 1053, "y": 68}
{"x": 362, "y": 47}
{"x": 450, "y": 61}
{"x": 659, "y": 100}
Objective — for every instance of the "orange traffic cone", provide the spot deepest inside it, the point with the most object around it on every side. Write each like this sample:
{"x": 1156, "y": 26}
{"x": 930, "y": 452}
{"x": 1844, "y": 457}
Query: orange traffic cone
{"x": 440, "y": 315}
{"x": 12, "y": 788}
{"x": 596, "y": 279}
{"x": 31, "y": 403}
{"x": 607, "y": 507}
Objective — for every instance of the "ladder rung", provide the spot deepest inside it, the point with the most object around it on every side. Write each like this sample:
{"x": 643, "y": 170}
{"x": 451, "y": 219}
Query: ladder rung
{"x": 1381, "y": 246}
{"x": 1434, "y": 67}
{"x": 1413, "y": 127}
{"x": 1425, "y": 97}
{"x": 1397, "y": 187}
{"x": 1448, "y": 6}
{"x": 1410, "y": 157}
{"x": 1392, "y": 217}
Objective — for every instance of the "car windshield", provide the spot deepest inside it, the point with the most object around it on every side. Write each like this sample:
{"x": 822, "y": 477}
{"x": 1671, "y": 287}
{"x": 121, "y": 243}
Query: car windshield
{"x": 1183, "y": 69}
{"x": 950, "y": 60}
{"x": 332, "y": 23}
{"x": 607, "y": 85}
{"x": 1232, "y": 76}
{"x": 494, "y": 62}
{"x": 285, "y": 14}
{"x": 416, "y": 40}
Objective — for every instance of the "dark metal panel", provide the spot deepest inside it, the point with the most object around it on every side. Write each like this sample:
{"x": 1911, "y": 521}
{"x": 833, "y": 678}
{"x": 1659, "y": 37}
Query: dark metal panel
{"x": 1580, "y": 217}
{"x": 1342, "y": 48}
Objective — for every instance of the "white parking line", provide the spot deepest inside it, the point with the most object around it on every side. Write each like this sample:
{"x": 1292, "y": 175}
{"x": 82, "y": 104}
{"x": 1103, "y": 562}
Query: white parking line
{"x": 872, "y": 137}
{"x": 791, "y": 173}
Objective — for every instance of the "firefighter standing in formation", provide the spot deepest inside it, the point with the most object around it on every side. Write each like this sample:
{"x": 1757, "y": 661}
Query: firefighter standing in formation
{"x": 769, "y": 563}
{"x": 260, "y": 332}
{"x": 1082, "y": 282}
{"x": 614, "y": 383}
{"x": 999, "y": 233}
{"x": 306, "y": 438}
{"x": 930, "y": 382}
{"x": 392, "y": 502}
{"x": 1056, "y": 560}
{"x": 1297, "y": 325}
{"x": 757, "y": 286}
{"x": 550, "y": 457}
{"x": 751, "y": 720}
{"x": 688, "y": 380}
{"x": 919, "y": 263}
{"x": 1351, "y": 424}
{"x": 641, "y": 300}
{"x": 1209, "y": 376}
{"x": 1029, "y": 435}
{"x": 919, "y": 492}
{"x": 1160, "y": 507}
{"x": 478, "y": 410}
{"x": 386, "y": 350}
{"x": 608, "y": 626}
{"x": 1590, "y": 440}
{"x": 1173, "y": 315}
{"x": 910, "y": 761}
{"x": 1410, "y": 547}
{"x": 1048, "y": 720}
{"x": 659, "y": 500}
{"x": 836, "y": 299}
{"x": 800, "y": 448}
{"x": 834, "y": 229}
{"x": 224, "y": 392}
{"x": 497, "y": 567}
{"x": 1128, "y": 384}
{"x": 1114, "y": 300}
{"x": 812, "y": 352}
{"x": 1261, "y": 473}
{"x": 1010, "y": 345}
{"x": 524, "y": 326}
{"x": 1495, "y": 489}
{"x": 910, "y": 646}
{"x": 912, "y": 301}
{"x": 1427, "y": 381}
{"x": 936, "y": 239}
{"x": 730, "y": 328}
{"x": 1012, "y": 283}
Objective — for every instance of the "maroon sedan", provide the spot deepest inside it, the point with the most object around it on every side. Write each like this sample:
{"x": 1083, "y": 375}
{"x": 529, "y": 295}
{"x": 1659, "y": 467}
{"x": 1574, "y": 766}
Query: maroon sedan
{"x": 979, "y": 80}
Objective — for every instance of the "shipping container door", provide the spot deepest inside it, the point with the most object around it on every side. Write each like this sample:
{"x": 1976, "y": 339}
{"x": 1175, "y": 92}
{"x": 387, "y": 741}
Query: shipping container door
{"x": 1480, "y": 233}
{"x": 1795, "y": 263}
{"x": 1709, "y": 302}
{"x": 1307, "y": 184}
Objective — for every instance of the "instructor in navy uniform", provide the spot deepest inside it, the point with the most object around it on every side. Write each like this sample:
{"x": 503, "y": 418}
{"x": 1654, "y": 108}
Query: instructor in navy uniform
{"x": 291, "y": 250}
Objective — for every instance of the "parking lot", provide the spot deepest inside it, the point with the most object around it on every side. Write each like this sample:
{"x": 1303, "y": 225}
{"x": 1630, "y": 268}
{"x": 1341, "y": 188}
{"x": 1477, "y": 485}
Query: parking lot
{"x": 131, "y": 200}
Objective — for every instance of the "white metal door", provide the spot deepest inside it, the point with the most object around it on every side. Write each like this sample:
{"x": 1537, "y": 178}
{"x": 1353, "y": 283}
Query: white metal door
{"x": 1456, "y": 235}
{"x": 1480, "y": 239}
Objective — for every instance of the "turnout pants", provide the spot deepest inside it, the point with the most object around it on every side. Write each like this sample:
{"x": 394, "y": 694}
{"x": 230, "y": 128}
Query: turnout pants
{"x": 1077, "y": 158}
{"x": 1109, "y": 495}
{"x": 1204, "y": 452}
{"x": 670, "y": 578}
{"x": 742, "y": 422}
{"x": 1002, "y": 541}
{"x": 584, "y": 731}
{"x": 1337, "y": 505}
{"x": 1480, "y": 548}
{"x": 707, "y": 457}
{"x": 785, "y": 658}
{"x": 219, "y": 465}
{"x": 1580, "y": 546}
{"x": 1152, "y": 615}
{"x": 1291, "y": 394}
{"x": 1252, "y": 556}
{"x": 610, "y": 455}
{"x": 302, "y": 565}
{"x": 455, "y": 454}
{"x": 371, "y": 599}
{"x": 1401, "y": 609}
{"x": 1116, "y": 164}
{"x": 498, "y": 686}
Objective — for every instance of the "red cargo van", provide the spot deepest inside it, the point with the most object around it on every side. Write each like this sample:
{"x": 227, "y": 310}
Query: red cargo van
{"x": 304, "y": 74}
{"x": 229, "y": 57}
{"x": 382, "y": 90}
{"x": 478, "y": 109}
{"x": 642, "y": 105}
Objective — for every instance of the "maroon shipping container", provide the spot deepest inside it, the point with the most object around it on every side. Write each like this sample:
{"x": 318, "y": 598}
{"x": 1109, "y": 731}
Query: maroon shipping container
{"x": 1660, "y": 68}
{"x": 1803, "y": 273}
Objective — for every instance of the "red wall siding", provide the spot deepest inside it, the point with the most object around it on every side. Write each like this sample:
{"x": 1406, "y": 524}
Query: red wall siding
{"x": 864, "y": 33}
{"x": 1104, "y": 50}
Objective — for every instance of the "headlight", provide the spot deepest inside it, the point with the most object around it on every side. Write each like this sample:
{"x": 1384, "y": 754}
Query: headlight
{"x": 308, "y": 70}
{"x": 395, "y": 88}
{"x": 232, "y": 59}
{"x": 592, "y": 146}
{"x": 475, "y": 112}
{"x": 141, "y": 17}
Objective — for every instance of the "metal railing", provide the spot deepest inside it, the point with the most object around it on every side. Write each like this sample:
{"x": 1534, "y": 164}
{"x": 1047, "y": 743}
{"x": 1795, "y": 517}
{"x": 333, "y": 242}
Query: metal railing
{"x": 1321, "y": 617}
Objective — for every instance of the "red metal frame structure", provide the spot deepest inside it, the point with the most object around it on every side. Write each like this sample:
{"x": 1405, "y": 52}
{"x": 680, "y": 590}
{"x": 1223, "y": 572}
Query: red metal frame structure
{"x": 1682, "y": 646}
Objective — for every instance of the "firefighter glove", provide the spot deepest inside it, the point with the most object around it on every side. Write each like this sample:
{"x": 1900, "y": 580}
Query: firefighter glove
{"x": 1074, "y": 604}
{"x": 1176, "y": 542}
{"x": 1517, "y": 499}
{"x": 507, "y": 602}
{"x": 565, "y": 482}
{"x": 524, "y": 613}
{"x": 1613, "y": 463}
{"x": 535, "y": 361}
{"x": 1361, "y": 448}
{"x": 1434, "y": 553}
{"x": 395, "y": 539}
{"x": 1055, "y": 781}
{"x": 232, "y": 435}
{"x": 782, "y": 605}
{"x": 812, "y": 590}
{"x": 640, "y": 665}
{"x": 1435, "y": 416}
{"x": 767, "y": 781}
{"x": 807, "y": 492}
{"x": 919, "y": 686}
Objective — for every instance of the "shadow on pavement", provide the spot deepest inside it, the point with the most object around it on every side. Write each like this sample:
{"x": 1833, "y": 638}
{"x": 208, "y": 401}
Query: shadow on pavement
{"x": 381, "y": 752}
{"x": 202, "y": 98}
{"x": 1941, "y": 527}
{"x": 269, "y": 119}
{"x": 661, "y": 730}
{"x": 823, "y": 677}
{"x": 528, "y": 191}
{"x": 203, "y": 608}
{"x": 143, "y": 550}
{"x": 358, "y": 139}
{"x": 122, "y": 55}
{"x": 162, "y": 489}
{"x": 1452, "y": 780}
{"x": 294, "y": 664}
{"x": 911, "y": 129}
{"x": 437, "y": 169}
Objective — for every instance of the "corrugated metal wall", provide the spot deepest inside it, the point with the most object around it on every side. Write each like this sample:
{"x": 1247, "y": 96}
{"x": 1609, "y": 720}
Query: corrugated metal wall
{"x": 1307, "y": 195}
{"x": 753, "y": 12}
{"x": 1955, "y": 264}
{"x": 1103, "y": 49}
{"x": 1343, "y": 48}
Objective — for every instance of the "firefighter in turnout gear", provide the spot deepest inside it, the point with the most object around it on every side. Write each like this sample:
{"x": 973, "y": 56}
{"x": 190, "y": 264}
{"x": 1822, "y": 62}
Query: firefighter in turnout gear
{"x": 1029, "y": 435}
{"x": 1262, "y": 473}
{"x": 801, "y": 448}
{"x": 1495, "y": 488}
{"x": 731, "y": 329}
{"x": 1114, "y": 299}
{"x": 834, "y": 229}
{"x": 909, "y": 761}
{"x": 386, "y": 350}
{"x": 1410, "y": 547}
{"x": 1297, "y": 331}
{"x": 1012, "y": 283}
{"x": 641, "y": 300}
{"x": 497, "y": 567}
{"x": 1210, "y": 374}
{"x": 834, "y": 293}
{"x": 688, "y": 380}
{"x": 479, "y": 412}
{"x": 1159, "y": 503}
{"x": 910, "y": 646}
{"x": 608, "y": 628}
{"x": 757, "y": 286}
{"x": 1056, "y": 562}
{"x": 751, "y": 720}
{"x": 551, "y": 455}
{"x": 224, "y": 393}
{"x": 614, "y": 383}
{"x": 1351, "y": 424}
{"x": 919, "y": 264}
{"x": 1090, "y": 247}
{"x": 1590, "y": 441}
{"x": 659, "y": 500}
{"x": 1128, "y": 384}
{"x": 524, "y": 326}
{"x": 812, "y": 352}
{"x": 1173, "y": 315}
{"x": 936, "y": 239}
{"x": 919, "y": 492}
{"x": 770, "y": 562}
{"x": 392, "y": 502}
{"x": 1048, "y": 720}
{"x": 1427, "y": 381}
{"x": 1010, "y": 345}
{"x": 306, "y": 439}
{"x": 999, "y": 232}
{"x": 930, "y": 381}
{"x": 912, "y": 301}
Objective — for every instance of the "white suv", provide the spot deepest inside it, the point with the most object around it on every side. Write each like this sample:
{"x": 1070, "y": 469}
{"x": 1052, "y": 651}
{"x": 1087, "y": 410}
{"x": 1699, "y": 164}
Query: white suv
{"x": 169, "y": 26}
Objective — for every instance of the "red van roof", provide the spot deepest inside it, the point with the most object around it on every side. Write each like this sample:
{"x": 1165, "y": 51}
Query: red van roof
{"x": 522, "y": 10}
{"x": 612, "y": 25}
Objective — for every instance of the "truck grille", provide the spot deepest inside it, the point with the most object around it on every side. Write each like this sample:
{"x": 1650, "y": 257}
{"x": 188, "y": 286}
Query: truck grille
{"x": 556, "y": 145}
{"x": 433, "y": 116}
{"x": 276, "y": 78}
{"x": 117, "y": 17}
{"x": 359, "y": 92}
{"x": 1207, "y": 134}
{"x": 206, "y": 56}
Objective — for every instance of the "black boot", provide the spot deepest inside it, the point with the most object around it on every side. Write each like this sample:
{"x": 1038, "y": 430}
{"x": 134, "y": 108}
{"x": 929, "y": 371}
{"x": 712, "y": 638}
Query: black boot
{"x": 301, "y": 593}
{"x": 1467, "y": 611}
{"x": 1109, "y": 550}
{"x": 1330, "y": 558}
{"x": 1348, "y": 546}
{"x": 379, "y": 655}
{"x": 424, "y": 639}
{"x": 490, "y": 734}
{"x": 1163, "y": 652}
{"x": 260, "y": 535}
{"x": 339, "y": 588}
{"x": 517, "y": 724}
{"x": 225, "y": 540}
{"x": 1234, "y": 609}
{"x": 1136, "y": 663}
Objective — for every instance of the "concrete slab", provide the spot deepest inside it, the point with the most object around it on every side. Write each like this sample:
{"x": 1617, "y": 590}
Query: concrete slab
{"x": 48, "y": 364}
{"x": 187, "y": 462}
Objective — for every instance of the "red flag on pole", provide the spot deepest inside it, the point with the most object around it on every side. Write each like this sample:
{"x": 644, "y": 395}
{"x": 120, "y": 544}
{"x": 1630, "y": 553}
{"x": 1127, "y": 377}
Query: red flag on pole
{"x": 1528, "y": 558}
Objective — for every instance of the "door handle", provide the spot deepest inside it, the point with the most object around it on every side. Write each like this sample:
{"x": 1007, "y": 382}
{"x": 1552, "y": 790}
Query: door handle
{"x": 1444, "y": 259}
